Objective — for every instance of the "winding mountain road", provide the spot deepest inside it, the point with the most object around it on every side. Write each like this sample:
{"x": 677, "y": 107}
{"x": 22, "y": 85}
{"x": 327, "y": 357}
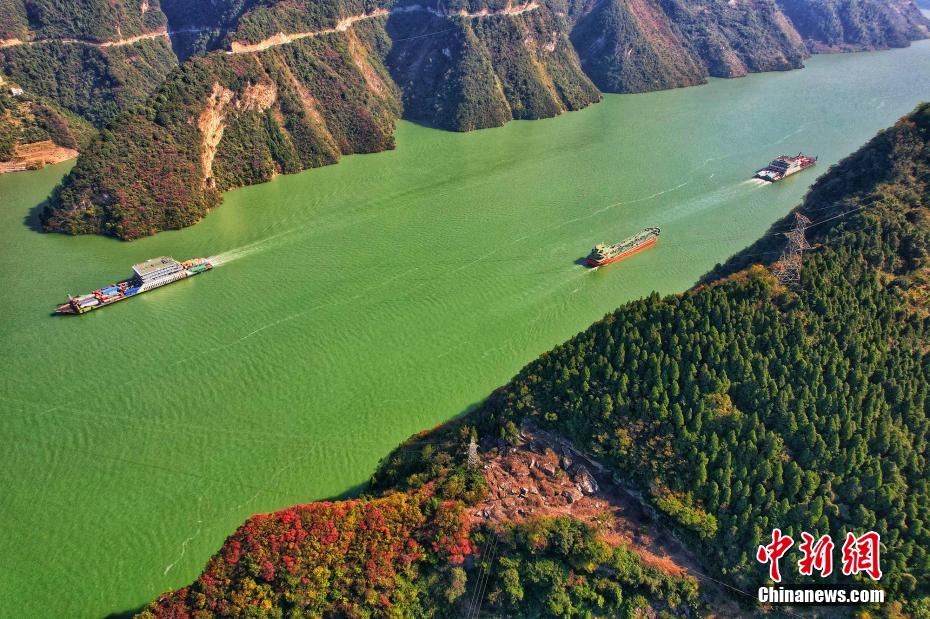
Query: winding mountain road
{"x": 282, "y": 38}
{"x": 115, "y": 43}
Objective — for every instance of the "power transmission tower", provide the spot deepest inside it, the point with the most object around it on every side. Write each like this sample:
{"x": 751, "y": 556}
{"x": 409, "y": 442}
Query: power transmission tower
{"x": 788, "y": 268}
{"x": 473, "y": 460}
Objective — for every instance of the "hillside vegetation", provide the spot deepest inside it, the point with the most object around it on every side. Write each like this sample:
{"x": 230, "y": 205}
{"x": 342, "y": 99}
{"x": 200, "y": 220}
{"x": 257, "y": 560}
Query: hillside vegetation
{"x": 283, "y": 110}
{"x": 852, "y": 25}
{"x": 28, "y": 119}
{"x": 413, "y": 554}
{"x": 95, "y": 83}
{"x": 734, "y": 408}
{"x": 89, "y": 20}
{"x": 57, "y": 54}
{"x": 337, "y": 75}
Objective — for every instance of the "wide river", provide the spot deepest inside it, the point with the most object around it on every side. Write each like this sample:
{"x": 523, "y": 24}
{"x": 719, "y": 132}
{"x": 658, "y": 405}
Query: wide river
{"x": 357, "y": 304}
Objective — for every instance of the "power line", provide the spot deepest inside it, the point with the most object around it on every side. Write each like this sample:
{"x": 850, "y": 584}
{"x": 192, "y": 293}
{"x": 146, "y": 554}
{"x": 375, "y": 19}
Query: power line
{"x": 740, "y": 591}
{"x": 843, "y": 214}
{"x": 484, "y": 554}
{"x": 486, "y": 576}
{"x": 428, "y": 34}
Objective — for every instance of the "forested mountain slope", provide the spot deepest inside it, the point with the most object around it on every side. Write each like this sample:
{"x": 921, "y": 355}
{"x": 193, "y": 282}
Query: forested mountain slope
{"x": 852, "y": 25}
{"x": 322, "y": 96}
{"x": 35, "y": 131}
{"x": 94, "y": 58}
{"x": 734, "y": 408}
{"x": 89, "y": 20}
{"x": 336, "y": 75}
{"x": 642, "y": 45}
{"x": 742, "y": 406}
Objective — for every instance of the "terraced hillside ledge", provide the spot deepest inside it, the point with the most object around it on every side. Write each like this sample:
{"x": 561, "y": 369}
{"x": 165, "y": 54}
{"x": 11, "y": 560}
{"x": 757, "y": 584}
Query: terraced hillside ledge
{"x": 35, "y": 132}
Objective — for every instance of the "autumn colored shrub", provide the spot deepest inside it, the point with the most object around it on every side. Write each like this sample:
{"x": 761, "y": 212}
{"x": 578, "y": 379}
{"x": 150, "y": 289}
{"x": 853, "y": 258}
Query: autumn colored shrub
{"x": 362, "y": 557}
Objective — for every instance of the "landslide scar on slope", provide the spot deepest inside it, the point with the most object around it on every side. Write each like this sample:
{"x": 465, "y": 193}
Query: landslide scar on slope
{"x": 360, "y": 58}
{"x": 532, "y": 46}
{"x": 212, "y": 121}
{"x": 311, "y": 107}
{"x": 543, "y": 475}
{"x": 211, "y": 126}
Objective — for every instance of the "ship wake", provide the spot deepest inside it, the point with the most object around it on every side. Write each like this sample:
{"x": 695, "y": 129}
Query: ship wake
{"x": 248, "y": 249}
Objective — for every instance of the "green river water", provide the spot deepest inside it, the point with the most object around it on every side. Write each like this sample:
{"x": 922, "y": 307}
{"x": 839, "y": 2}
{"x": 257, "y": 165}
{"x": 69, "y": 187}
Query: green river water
{"x": 357, "y": 304}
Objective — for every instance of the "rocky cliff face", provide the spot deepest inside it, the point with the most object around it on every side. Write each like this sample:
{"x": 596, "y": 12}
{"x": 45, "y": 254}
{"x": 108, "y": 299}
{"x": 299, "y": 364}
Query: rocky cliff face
{"x": 343, "y": 72}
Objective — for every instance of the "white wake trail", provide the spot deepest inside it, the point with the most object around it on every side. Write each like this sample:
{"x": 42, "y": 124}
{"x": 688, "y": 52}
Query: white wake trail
{"x": 248, "y": 249}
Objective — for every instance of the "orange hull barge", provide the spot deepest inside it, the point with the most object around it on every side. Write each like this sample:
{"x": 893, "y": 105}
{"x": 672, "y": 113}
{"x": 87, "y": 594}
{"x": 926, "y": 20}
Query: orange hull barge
{"x": 605, "y": 254}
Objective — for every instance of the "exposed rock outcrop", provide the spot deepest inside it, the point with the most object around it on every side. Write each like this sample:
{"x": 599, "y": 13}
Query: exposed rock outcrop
{"x": 211, "y": 124}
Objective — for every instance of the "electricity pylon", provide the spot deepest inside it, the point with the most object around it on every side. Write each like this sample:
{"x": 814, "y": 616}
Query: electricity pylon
{"x": 788, "y": 268}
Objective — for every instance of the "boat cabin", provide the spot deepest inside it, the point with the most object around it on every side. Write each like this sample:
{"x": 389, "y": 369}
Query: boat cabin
{"x": 156, "y": 267}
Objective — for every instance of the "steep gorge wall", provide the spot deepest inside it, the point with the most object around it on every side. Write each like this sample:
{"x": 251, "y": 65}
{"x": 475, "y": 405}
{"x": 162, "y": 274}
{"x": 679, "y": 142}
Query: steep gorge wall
{"x": 484, "y": 72}
{"x": 854, "y": 25}
{"x": 343, "y": 72}
{"x": 223, "y": 121}
{"x": 336, "y": 93}
{"x": 644, "y": 45}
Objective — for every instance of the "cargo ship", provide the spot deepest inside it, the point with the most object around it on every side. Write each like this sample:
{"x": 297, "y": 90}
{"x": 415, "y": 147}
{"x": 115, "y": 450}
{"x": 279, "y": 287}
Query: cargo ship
{"x": 605, "y": 254}
{"x": 147, "y": 276}
{"x": 784, "y": 166}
